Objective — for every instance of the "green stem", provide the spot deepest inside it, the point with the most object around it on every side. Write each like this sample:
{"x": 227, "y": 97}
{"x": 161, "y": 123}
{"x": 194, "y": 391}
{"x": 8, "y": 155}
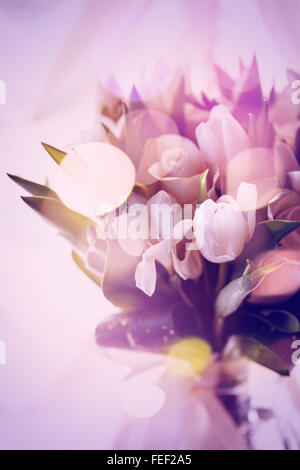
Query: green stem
{"x": 218, "y": 322}
{"x": 222, "y": 277}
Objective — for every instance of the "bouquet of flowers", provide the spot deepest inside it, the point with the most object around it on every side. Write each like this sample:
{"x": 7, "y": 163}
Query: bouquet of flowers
{"x": 193, "y": 233}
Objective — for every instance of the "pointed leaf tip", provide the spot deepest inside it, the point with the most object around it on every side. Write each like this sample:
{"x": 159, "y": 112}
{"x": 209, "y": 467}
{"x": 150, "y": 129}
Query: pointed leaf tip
{"x": 35, "y": 189}
{"x": 233, "y": 294}
{"x": 72, "y": 224}
{"x": 280, "y": 320}
{"x": 56, "y": 154}
{"x": 257, "y": 352}
{"x": 281, "y": 228}
{"x": 32, "y": 201}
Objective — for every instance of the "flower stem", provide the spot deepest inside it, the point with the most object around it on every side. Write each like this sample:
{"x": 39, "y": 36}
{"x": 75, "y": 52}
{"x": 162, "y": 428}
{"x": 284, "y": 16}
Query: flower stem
{"x": 222, "y": 277}
{"x": 218, "y": 322}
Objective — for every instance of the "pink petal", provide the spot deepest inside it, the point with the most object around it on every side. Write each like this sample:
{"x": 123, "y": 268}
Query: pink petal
{"x": 256, "y": 166}
{"x": 145, "y": 274}
{"x": 247, "y": 200}
{"x": 294, "y": 177}
{"x": 281, "y": 284}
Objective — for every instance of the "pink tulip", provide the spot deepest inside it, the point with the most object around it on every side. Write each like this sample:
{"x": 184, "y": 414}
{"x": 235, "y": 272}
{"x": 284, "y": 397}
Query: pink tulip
{"x": 222, "y": 228}
{"x": 221, "y": 137}
{"x": 259, "y": 166}
{"x": 164, "y": 249}
{"x": 146, "y": 238}
{"x": 149, "y": 237}
{"x": 283, "y": 282}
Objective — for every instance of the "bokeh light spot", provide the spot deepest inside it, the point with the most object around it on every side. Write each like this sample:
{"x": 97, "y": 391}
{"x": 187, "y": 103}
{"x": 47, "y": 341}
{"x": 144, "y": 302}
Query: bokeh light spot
{"x": 189, "y": 356}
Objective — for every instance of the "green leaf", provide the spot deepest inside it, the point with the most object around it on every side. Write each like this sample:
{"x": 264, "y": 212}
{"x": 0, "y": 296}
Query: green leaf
{"x": 118, "y": 278}
{"x": 274, "y": 333}
{"x": 281, "y": 228}
{"x": 202, "y": 194}
{"x": 151, "y": 329}
{"x": 119, "y": 285}
{"x": 232, "y": 295}
{"x": 56, "y": 154}
{"x": 280, "y": 320}
{"x": 81, "y": 265}
{"x": 72, "y": 224}
{"x": 257, "y": 352}
{"x": 33, "y": 188}
{"x": 138, "y": 330}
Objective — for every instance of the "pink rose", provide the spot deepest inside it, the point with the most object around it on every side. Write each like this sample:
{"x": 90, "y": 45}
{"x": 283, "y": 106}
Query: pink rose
{"x": 135, "y": 128}
{"x": 283, "y": 282}
{"x": 222, "y": 228}
{"x": 169, "y": 155}
{"x": 176, "y": 162}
